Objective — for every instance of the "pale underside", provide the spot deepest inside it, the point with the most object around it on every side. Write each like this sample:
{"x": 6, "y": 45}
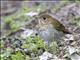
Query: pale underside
{"x": 49, "y": 34}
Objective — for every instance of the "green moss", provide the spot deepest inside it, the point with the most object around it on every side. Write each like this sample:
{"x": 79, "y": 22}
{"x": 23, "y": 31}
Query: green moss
{"x": 18, "y": 56}
{"x": 33, "y": 44}
{"x": 1, "y": 43}
{"x": 53, "y": 48}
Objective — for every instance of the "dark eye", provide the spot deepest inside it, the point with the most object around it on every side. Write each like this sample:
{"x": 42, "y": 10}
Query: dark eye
{"x": 44, "y": 18}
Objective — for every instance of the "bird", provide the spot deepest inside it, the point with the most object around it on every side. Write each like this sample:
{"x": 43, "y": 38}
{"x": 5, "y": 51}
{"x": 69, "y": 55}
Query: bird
{"x": 49, "y": 28}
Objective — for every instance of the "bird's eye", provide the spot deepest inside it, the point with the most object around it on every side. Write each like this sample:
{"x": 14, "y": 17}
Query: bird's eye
{"x": 44, "y": 18}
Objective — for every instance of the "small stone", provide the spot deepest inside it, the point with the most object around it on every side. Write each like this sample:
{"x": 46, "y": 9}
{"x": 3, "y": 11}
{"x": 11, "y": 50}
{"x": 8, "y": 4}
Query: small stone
{"x": 45, "y": 56}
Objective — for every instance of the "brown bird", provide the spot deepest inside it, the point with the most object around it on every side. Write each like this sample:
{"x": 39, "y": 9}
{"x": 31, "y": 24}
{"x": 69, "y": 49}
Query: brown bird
{"x": 49, "y": 28}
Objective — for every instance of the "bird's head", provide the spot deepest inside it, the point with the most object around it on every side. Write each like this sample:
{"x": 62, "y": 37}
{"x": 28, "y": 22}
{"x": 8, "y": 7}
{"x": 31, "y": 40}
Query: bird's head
{"x": 44, "y": 20}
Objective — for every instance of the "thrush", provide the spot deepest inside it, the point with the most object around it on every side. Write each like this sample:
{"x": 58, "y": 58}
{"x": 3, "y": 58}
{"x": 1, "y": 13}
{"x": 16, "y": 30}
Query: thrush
{"x": 49, "y": 28}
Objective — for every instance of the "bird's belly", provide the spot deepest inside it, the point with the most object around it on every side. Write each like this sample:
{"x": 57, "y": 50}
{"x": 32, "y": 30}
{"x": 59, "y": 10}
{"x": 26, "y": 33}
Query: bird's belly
{"x": 50, "y": 34}
{"x": 46, "y": 35}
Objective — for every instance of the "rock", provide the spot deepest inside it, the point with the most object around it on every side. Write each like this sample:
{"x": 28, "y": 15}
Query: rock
{"x": 46, "y": 56}
{"x": 26, "y": 33}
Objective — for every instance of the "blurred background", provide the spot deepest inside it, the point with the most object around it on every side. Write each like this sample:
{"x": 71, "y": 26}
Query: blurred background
{"x": 14, "y": 14}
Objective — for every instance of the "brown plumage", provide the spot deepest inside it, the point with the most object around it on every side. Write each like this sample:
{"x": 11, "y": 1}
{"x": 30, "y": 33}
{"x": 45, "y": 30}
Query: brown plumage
{"x": 47, "y": 19}
{"x": 49, "y": 28}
